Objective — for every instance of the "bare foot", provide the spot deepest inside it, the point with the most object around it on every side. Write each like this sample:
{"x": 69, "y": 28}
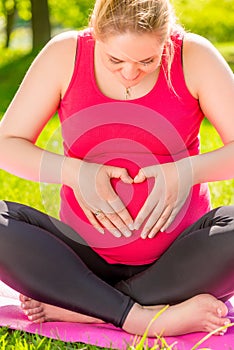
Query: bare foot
{"x": 38, "y": 312}
{"x": 202, "y": 313}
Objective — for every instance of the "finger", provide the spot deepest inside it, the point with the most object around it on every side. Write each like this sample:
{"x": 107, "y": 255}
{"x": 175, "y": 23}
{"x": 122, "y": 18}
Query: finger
{"x": 172, "y": 217}
{"x": 153, "y": 201}
{"x": 116, "y": 220}
{"x": 120, "y": 173}
{"x": 106, "y": 222}
{"x": 119, "y": 208}
{"x": 150, "y": 223}
{"x": 123, "y": 220}
{"x": 147, "y": 172}
{"x": 145, "y": 211}
{"x": 92, "y": 219}
{"x": 140, "y": 177}
{"x": 126, "y": 219}
{"x": 161, "y": 221}
{"x": 108, "y": 219}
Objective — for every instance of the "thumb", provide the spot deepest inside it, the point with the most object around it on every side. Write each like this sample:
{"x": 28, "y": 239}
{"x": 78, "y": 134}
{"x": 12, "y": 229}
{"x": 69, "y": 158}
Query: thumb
{"x": 140, "y": 177}
{"x": 121, "y": 173}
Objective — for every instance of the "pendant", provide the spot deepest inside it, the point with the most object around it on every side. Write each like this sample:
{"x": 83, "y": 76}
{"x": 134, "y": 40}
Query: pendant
{"x": 127, "y": 93}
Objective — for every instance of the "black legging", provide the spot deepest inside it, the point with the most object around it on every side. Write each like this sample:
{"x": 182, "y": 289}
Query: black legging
{"x": 46, "y": 260}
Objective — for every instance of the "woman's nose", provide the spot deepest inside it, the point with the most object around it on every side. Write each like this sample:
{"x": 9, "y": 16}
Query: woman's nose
{"x": 130, "y": 71}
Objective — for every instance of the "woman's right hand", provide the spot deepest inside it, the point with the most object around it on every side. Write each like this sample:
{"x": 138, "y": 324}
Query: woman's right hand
{"x": 100, "y": 203}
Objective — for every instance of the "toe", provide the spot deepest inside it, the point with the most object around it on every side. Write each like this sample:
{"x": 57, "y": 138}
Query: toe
{"x": 31, "y": 304}
{"x": 37, "y": 318}
{"x": 217, "y": 330}
{"x": 219, "y": 321}
{"x": 23, "y": 298}
{"x": 219, "y": 324}
{"x": 36, "y": 310}
{"x": 221, "y": 309}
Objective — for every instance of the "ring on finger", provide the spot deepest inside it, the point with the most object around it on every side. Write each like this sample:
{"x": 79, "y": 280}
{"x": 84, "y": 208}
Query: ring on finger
{"x": 98, "y": 212}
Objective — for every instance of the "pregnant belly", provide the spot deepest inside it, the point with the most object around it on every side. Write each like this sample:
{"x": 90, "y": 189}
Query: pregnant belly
{"x": 133, "y": 250}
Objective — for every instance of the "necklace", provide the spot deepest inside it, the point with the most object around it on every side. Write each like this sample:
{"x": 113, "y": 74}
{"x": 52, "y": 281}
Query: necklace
{"x": 127, "y": 93}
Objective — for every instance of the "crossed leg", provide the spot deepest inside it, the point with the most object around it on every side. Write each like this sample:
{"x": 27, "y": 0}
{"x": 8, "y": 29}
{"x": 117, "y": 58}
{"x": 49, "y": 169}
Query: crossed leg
{"x": 208, "y": 312}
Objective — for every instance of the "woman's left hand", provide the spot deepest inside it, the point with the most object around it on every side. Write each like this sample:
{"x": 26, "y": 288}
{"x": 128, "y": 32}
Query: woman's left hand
{"x": 173, "y": 182}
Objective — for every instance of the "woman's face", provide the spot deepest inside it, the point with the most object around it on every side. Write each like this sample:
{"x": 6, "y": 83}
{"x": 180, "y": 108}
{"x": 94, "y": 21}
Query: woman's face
{"x": 130, "y": 57}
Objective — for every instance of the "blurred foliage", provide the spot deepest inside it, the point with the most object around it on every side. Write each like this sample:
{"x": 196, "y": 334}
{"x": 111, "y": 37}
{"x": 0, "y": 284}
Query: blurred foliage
{"x": 213, "y": 19}
{"x": 70, "y": 14}
{"x": 24, "y": 9}
{"x": 13, "y": 66}
{"x": 8, "y": 4}
{"x": 227, "y": 50}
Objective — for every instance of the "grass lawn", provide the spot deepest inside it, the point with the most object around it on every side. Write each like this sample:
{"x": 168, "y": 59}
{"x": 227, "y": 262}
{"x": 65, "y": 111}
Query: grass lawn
{"x": 46, "y": 197}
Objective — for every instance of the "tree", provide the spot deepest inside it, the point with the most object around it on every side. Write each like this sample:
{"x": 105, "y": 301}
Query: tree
{"x": 41, "y": 28}
{"x": 36, "y": 11}
{"x": 9, "y": 9}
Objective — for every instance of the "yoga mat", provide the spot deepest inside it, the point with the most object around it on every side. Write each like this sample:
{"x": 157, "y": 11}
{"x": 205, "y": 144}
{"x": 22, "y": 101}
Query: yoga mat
{"x": 104, "y": 335}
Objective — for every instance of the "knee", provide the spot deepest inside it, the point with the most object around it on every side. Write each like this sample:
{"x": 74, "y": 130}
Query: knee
{"x": 8, "y": 210}
{"x": 3, "y": 206}
{"x": 224, "y": 218}
{"x": 3, "y": 211}
{"x": 224, "y": 211}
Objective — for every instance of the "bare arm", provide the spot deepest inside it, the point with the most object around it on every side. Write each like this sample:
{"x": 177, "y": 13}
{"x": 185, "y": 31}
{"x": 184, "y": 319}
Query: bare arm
{"x": 35, "y": 102}
{"x": 210, "y": 79}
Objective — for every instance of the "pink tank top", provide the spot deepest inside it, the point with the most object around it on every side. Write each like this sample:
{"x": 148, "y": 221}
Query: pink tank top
{"x": 157, "y": 128}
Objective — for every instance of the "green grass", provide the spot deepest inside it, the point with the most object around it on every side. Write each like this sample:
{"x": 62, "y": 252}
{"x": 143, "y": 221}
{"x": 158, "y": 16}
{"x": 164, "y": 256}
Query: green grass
{"x": 222, "y": 192}
{"x": 13, "y": 65}
{"x": 18, "y": 340}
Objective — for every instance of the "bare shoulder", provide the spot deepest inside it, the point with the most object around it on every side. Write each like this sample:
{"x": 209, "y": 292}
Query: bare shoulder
{"x": 196, "y": 45}
{"x": 201, "y": 61}
{"x": 195, "y": 40}
{"x": 64, "y": 40}
{"x": 60, "y": 46}
{"x": 58, "y": 57}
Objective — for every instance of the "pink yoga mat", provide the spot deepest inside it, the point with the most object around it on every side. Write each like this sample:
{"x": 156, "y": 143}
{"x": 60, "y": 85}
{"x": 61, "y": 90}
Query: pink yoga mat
{"x": 104, "y": 335}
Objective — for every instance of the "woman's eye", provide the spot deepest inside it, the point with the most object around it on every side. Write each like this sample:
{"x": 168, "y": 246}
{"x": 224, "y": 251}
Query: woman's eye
{"x": 114, "y": 61}
{"x": 146, "y": 63}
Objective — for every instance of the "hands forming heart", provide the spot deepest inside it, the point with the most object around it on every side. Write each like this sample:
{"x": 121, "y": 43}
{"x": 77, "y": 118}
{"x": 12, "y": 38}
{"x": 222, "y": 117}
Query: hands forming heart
{"x": 173, "y": 182}
{"x": 105, "y": 209}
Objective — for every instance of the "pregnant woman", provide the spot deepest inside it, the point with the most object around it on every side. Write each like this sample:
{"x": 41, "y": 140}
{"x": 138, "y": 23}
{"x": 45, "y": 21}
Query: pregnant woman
{"x": 136, "y": 229}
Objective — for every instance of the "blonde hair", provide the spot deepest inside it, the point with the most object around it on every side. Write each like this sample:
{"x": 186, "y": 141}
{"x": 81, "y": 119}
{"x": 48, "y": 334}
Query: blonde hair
{"x": 113, "y": 17}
